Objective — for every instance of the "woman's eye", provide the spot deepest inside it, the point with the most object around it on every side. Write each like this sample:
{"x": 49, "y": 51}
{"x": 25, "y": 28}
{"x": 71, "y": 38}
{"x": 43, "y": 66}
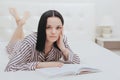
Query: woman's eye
{"x": 48, "y": 27}
{"x": 58, "y": 27}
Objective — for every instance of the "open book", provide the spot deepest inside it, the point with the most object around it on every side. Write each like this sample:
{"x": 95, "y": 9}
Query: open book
{"x": 68, "y": 69}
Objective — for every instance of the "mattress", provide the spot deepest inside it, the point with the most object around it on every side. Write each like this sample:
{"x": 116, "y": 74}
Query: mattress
{"x": 89, "y": 53}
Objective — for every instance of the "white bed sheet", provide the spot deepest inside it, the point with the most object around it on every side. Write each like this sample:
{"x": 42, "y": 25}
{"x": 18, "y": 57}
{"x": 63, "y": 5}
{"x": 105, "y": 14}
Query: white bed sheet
{"x": 89, "y": 52}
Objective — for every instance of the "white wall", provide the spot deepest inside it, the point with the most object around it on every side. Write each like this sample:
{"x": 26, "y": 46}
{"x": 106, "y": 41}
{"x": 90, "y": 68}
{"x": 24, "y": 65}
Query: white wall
{"x": 109, "y": 8}
{"x": 79, "y": 17}
{"x": 103, "y": 8}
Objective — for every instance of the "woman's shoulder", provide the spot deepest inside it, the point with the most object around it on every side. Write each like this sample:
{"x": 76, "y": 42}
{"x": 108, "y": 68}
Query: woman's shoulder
{"x": 31, "y": 38}
{"x": 32, "y": 35}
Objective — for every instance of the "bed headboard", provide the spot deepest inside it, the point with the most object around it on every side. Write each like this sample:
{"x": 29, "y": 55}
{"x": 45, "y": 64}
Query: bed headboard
{"x": 79, "y": 18}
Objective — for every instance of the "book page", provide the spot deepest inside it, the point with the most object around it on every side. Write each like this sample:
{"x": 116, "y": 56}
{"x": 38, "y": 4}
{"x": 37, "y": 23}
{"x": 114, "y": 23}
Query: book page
{"x": 86, "y": 69}
{"x": 66, "y": 69}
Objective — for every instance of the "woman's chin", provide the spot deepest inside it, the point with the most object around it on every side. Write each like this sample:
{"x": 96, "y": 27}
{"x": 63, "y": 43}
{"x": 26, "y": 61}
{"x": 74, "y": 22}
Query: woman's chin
{"x": 52, "y": 40}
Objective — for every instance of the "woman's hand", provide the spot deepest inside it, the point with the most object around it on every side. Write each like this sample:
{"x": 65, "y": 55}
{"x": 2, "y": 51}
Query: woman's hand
{"x": 62, "y": 47}
{"x": 60, "y": 42}
{"x": 49, "y": 64}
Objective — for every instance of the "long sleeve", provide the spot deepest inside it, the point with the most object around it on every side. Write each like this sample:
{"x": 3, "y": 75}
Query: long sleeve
{"x": 72, "y": 57}
{"x": 21, "y": 59}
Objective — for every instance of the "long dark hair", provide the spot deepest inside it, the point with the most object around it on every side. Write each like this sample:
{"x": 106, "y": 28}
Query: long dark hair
{"x": 41, "y": 32}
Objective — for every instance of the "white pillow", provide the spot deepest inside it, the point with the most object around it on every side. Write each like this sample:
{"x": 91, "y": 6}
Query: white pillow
{"x": 3, "y": 56}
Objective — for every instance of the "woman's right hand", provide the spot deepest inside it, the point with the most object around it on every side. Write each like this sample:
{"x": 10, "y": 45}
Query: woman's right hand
{"x": 49, "y": 64}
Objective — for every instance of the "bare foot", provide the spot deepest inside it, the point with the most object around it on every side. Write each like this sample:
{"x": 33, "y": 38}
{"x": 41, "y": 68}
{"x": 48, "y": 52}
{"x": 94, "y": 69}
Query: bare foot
{"x": 20, "y": 22}
{"x": 14, "y": 13}
{"x": 25, "y": 17}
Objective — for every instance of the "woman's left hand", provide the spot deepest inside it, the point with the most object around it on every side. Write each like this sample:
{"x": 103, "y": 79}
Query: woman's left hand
{"x": 60, "y": 42}
{"x": 62, "y": 47}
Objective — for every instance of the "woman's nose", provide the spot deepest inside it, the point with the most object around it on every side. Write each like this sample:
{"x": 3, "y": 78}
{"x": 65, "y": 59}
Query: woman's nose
{"x": 53, "y": 30}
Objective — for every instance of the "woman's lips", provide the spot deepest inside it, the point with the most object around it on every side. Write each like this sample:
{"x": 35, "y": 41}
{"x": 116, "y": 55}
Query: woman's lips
{"x": 53, "y": 36}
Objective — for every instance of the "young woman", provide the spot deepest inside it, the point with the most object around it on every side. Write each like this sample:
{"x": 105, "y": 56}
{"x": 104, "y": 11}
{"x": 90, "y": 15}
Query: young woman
{"x": 47, "y": 47}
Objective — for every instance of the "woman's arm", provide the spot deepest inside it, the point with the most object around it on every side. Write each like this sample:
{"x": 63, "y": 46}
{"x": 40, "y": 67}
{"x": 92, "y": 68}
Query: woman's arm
{"x": 68, "y": 54}
{"x": 48, "y": 64}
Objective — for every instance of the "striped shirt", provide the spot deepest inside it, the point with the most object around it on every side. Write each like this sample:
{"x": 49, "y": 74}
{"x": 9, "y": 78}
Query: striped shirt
{"x": 24, "y": 55}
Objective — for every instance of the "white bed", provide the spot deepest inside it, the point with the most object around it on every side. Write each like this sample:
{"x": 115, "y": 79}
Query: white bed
{"x": 81, "y": 23}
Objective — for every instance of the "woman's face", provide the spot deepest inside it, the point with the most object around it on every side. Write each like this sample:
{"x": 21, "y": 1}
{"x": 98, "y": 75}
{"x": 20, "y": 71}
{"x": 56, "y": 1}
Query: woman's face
{"x": 53, "y": 29}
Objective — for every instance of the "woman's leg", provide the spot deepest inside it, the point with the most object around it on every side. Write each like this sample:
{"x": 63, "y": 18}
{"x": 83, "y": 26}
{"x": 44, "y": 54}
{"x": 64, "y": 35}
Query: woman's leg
{"x": 18, "y": 33}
